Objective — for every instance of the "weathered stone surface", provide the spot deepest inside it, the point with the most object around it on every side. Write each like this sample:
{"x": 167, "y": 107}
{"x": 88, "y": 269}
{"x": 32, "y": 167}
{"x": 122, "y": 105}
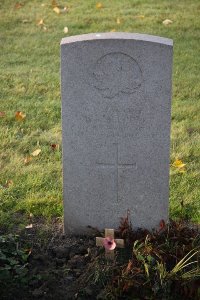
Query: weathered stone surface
{"x": 116, "y": 100}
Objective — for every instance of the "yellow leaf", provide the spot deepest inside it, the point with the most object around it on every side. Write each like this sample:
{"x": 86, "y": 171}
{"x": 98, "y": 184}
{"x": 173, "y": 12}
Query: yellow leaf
{"x": 167, "y": 22}
{"x": 27, "y": 159}
{"x": 99, "y": 5}
{"x": 65, "y": 29}
{"x": 118, "y": 21}
{"x": 178, "y": 164}
{"x": 113, "y": 30}
{"x": 36, "y": 152}
{"x": 40, "y": 22}
{"x": 20, "y": 116}
{"x": 57, "y": 10}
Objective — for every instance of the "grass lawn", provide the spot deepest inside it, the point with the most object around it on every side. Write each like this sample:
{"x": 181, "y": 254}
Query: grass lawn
{"x": 30, "y": 83}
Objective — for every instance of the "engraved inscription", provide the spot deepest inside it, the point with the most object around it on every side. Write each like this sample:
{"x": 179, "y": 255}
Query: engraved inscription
{"x": 116, "y": 73}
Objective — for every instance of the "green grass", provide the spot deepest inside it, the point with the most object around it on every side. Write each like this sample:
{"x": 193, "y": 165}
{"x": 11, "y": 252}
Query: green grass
{"x": 30, "y": 82}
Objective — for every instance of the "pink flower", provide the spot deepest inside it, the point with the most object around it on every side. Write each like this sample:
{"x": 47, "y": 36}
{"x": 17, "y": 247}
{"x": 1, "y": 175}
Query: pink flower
{"x": 109, "y": 243}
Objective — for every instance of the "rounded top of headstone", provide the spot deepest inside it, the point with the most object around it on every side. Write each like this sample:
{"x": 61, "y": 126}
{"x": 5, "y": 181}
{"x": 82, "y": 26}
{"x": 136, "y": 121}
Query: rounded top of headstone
{"x": 117, "y": 36}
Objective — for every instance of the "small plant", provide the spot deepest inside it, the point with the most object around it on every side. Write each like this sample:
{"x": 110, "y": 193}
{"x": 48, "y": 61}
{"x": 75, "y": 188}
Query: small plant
{"x": 13, "y": 262}
{"x": 164, "y": 264}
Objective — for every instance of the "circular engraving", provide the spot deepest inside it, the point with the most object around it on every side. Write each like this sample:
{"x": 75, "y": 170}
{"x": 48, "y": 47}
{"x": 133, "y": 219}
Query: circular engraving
{"x": 116, "y": 73}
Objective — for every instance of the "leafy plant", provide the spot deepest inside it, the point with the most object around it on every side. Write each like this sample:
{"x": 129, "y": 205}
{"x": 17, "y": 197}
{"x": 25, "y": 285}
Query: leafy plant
{"x": 164, "y": 264}
{"x": 13, "y": 262}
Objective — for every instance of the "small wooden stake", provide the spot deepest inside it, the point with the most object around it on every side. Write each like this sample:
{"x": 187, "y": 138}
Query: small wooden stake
{"x": 109, "y": 254}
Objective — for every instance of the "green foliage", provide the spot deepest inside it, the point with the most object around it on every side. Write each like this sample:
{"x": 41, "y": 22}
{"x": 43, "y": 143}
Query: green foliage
{"x": 13, "y": 263}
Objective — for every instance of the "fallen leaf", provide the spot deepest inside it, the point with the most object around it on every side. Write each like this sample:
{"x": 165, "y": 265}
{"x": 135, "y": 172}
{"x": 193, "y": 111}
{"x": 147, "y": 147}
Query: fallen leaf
{"x": 54, "y": 146}
{"x": 40, "y": 22}
{"x": 113, "y": 30}
{"x": 54, "y": 3}
{"x": 167, "y": 22}
{"x": 129, "y": 266}
{"x": 99, "y": 5}
{"x": 8, "y": 183}
{"x": 2, "y": 114}
{"x": 118, "y": 21}
{"x": 20, "y": 116}
{"x": 178, "y": 164}
{"x": 57, "y": 10}
{"x": 27, "y": 159}
{"x": 25, "y": 21}
{"x": 65, "y": 29}
{"x": 29, "y": 226}
{"x": 19, "y": 5}
{"x": 36, "y": 152}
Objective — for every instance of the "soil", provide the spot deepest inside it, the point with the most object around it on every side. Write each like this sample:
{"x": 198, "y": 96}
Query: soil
{"x": 63, "y": 267}
{"x": 58, "y": 264}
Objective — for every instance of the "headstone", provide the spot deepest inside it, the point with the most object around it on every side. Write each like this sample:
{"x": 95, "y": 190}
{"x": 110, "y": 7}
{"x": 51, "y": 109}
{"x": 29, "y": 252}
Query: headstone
{"x": 116, "y": 101}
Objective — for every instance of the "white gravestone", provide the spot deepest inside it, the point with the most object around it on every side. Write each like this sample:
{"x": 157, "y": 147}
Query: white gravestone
{"x": 116, "y": 102}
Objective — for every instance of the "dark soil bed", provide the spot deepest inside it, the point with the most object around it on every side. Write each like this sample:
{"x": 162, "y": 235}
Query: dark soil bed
{"x": 63, "y": 267}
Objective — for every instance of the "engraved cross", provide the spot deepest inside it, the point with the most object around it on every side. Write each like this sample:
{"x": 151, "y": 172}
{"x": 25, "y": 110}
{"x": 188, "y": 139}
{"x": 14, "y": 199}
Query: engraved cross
{"x": 117, "y": 166}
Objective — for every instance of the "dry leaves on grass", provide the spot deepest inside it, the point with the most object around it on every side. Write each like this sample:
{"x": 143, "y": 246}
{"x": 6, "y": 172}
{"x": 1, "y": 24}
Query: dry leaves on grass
{"x": 54, "y": 3}
{"x": 65, "y": 30}
{"x": 27, "y": 160}
{"x": 18, "y": 5}
{"x": 2, "y": 114}
{"x": 41, "y": 24}
{"x": 9, "y": 183}
{"x": 58, "y": 9}
{"x": 20, "y": 116}
{"x": 178, "y": 164}
{"x": 99, "y": 5}
{"x": 55, "y": 147}
{"x": 167, "y": 22}
{"x": 36, "y": 152}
